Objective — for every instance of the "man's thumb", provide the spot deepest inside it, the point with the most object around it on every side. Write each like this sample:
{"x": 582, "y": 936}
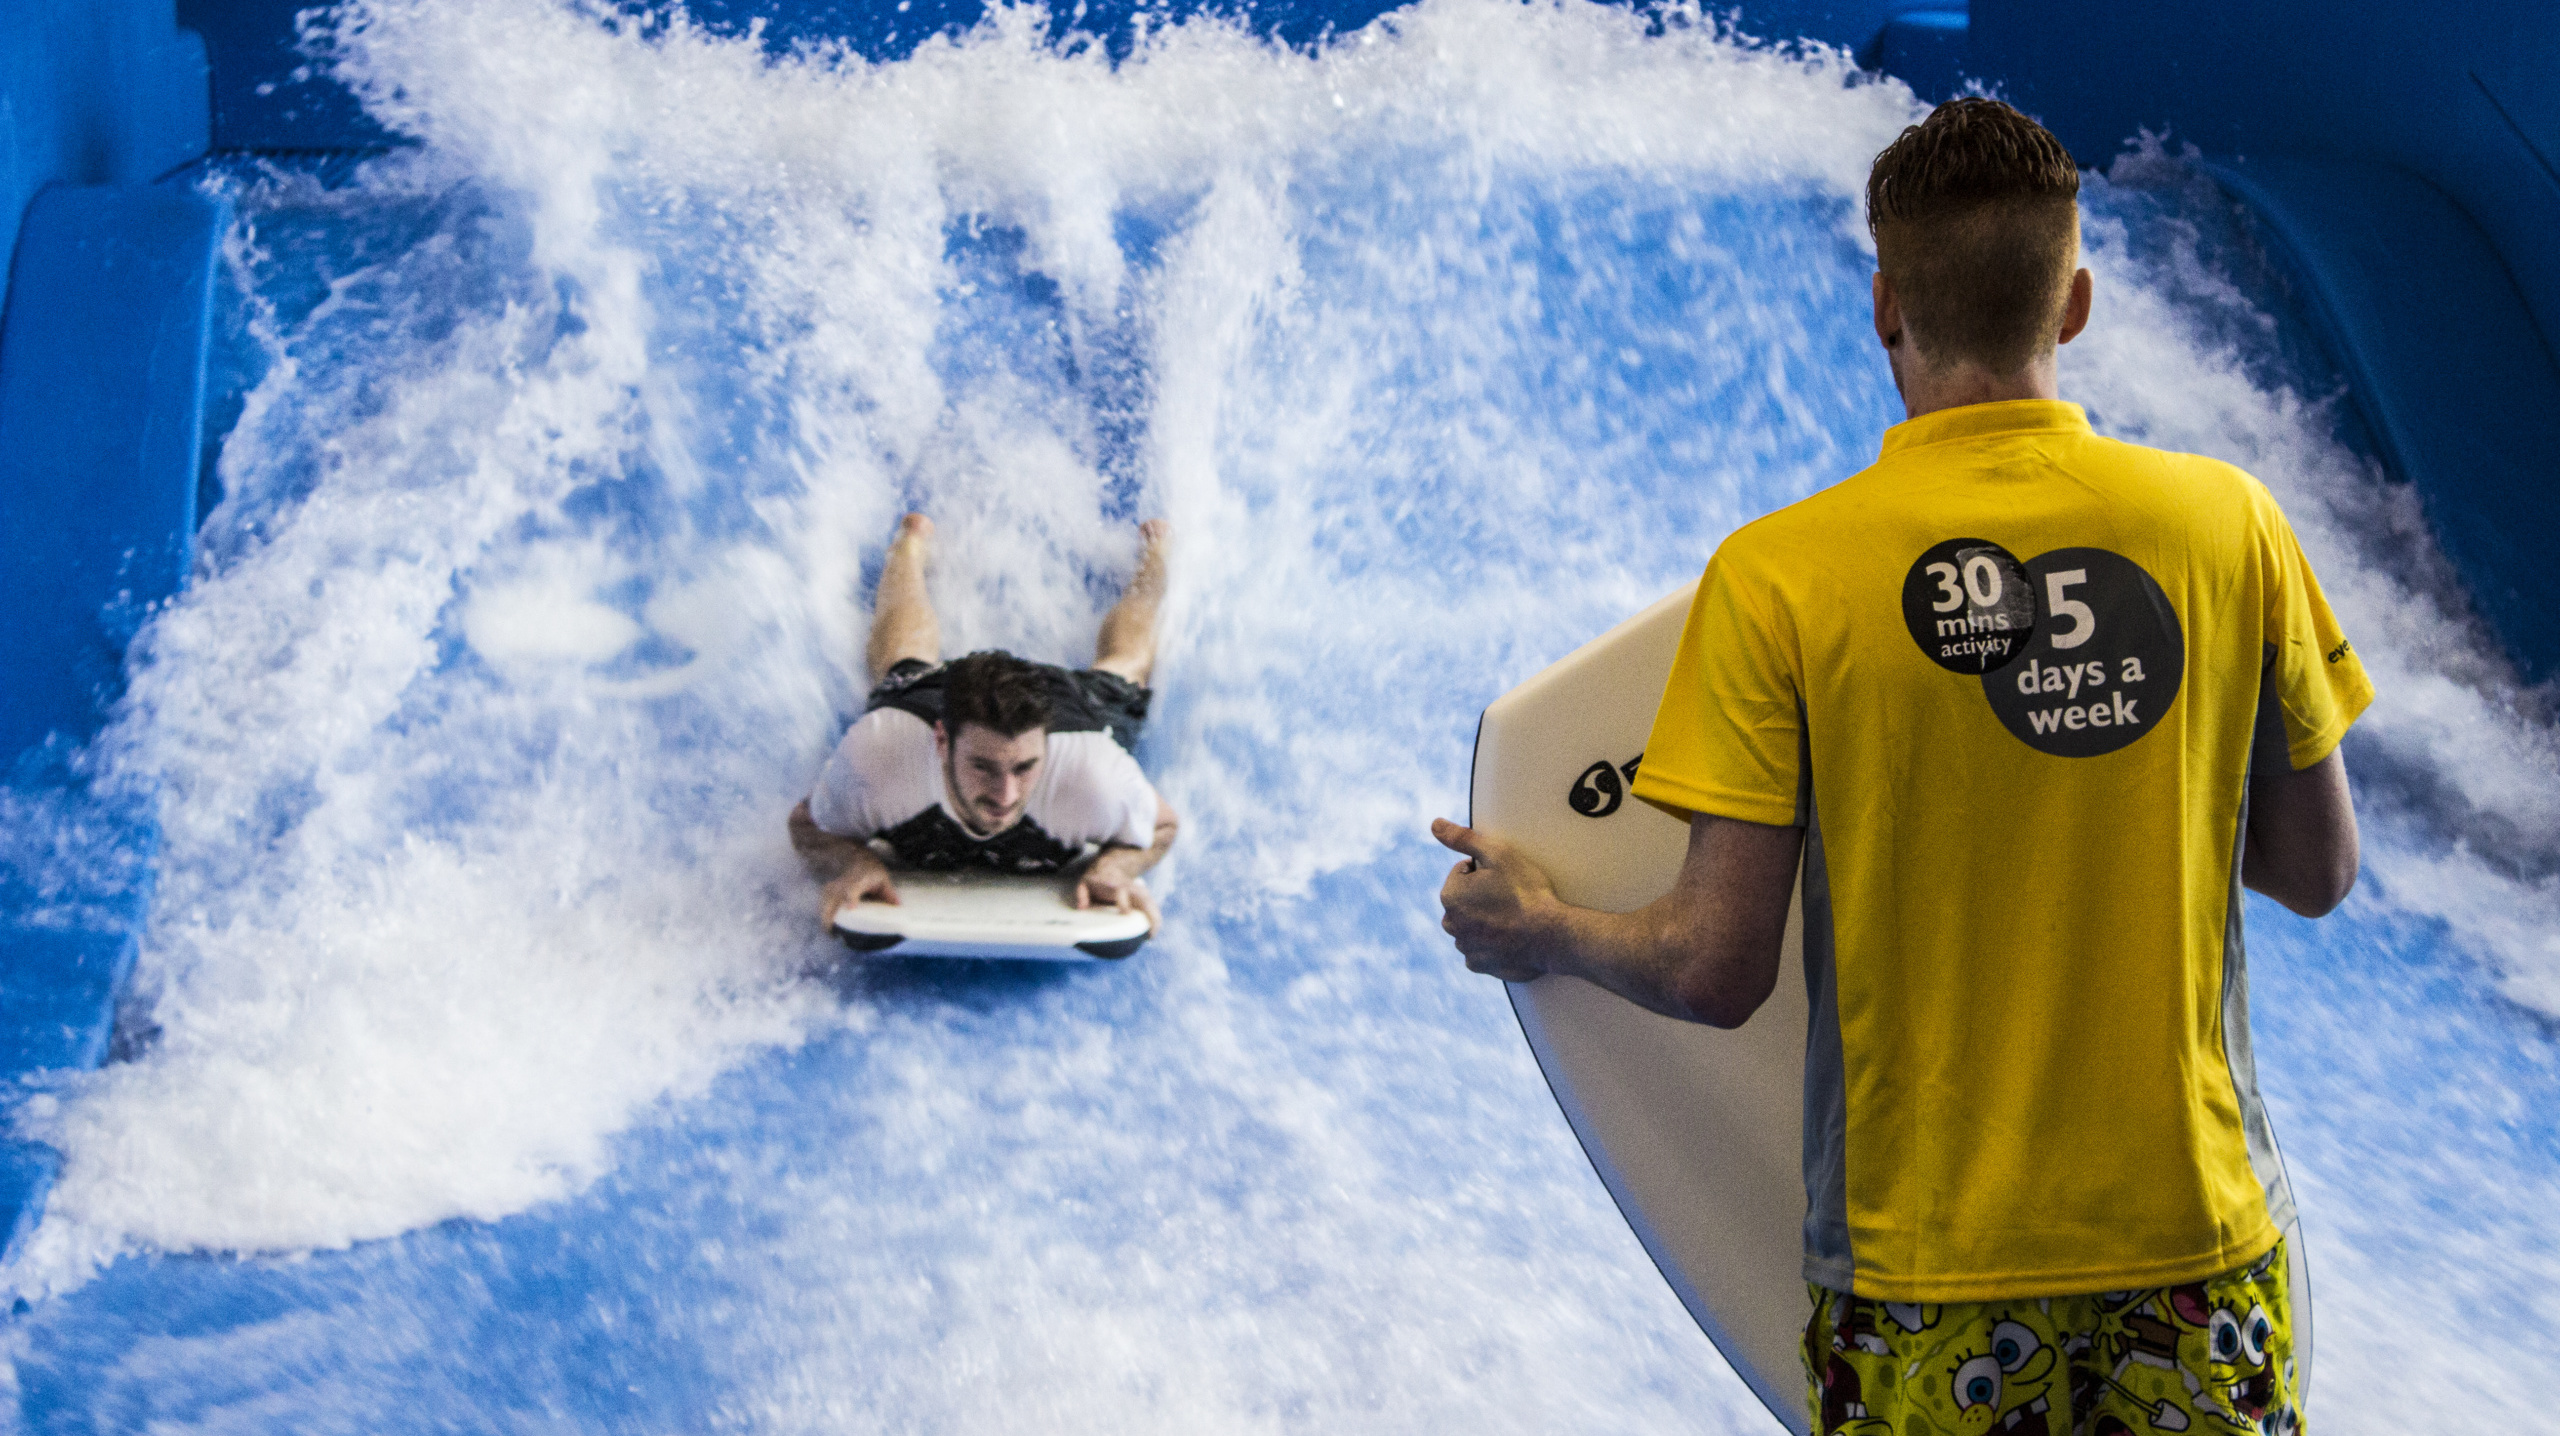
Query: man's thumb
{"x": 1459, "y": 839}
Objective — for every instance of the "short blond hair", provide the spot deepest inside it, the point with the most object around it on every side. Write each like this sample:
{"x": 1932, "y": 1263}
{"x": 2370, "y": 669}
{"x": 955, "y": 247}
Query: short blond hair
{"x": 1976, "y": 218}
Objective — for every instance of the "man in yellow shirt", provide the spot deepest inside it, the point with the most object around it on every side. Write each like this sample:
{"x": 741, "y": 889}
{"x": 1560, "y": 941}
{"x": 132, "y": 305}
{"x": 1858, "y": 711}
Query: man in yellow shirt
{"x": 2030, "y": 706}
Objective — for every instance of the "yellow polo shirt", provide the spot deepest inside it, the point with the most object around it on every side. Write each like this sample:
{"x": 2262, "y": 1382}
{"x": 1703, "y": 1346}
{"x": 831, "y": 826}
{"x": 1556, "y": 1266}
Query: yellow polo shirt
{"x": 2009, "y": 678}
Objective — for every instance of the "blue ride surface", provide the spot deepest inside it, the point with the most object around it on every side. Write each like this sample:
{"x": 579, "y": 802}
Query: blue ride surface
{"x": 1293, "y": 1171}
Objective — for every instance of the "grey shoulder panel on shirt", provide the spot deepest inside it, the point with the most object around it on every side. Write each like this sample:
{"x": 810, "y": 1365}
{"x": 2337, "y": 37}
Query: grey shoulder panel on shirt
{"x": 1830, "y": 1257}
{"x": 2239, "y": 1059}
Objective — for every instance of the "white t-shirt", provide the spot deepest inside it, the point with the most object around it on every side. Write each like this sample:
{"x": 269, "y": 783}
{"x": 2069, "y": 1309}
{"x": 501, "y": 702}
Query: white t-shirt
{"x": 883, "y": 776}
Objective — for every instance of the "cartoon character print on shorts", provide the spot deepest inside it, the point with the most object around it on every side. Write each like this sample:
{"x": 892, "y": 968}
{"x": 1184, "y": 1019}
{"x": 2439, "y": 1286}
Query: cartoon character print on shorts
{"x": 1877, "y": 1368}
{"x": 2210, "y": 1358}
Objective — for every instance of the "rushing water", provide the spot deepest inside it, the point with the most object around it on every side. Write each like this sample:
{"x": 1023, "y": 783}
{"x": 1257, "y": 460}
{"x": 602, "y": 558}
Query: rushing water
{"x": 489, "y": 1071}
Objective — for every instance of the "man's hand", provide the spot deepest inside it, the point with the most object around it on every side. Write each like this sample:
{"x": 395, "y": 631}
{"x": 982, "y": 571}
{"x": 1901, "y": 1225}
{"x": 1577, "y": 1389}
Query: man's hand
{"x": 859, "y": 874}
{"x": 1112, "y": 880}
{"x": 865, "y": 879}
{"x": 1113, "y": 876}
{"x": 1706, "y": 951}
{"x": 1495, "y": 904}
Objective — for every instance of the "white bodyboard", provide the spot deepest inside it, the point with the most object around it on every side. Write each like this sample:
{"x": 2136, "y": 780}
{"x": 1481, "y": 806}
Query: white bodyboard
{"x": 987, "y": 914}
{"x": 1697, "y": 1133}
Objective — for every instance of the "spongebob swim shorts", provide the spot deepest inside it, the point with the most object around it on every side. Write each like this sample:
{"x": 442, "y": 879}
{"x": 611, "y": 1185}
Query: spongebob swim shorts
{"x": 2214, "y": 1358}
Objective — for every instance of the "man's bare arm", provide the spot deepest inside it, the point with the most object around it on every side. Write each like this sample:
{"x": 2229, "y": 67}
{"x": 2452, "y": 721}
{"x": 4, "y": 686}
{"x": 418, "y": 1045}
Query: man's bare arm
{"x": 851, "y": 871}
{"x": 1707, "y": 951}
{"x": 2301, "y": 848}
{"x": 1112, "y": 877}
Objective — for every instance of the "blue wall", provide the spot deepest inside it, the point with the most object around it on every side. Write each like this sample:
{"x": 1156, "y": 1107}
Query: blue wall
{"x": 253, "y": 46}
{"x": 102, "y": 366}
{"x": 93, "y": 92}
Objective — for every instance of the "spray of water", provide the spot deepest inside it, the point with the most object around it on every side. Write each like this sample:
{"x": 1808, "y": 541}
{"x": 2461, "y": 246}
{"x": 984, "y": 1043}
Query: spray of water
{"x": 537, "y": 591}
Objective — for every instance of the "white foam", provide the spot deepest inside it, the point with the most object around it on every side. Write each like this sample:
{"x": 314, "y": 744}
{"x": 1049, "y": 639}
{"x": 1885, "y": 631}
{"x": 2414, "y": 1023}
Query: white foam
{"x": 539, "y": 588}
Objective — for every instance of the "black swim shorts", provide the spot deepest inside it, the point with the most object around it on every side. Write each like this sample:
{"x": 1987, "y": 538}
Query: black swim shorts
{"x": 1081, "y": 700}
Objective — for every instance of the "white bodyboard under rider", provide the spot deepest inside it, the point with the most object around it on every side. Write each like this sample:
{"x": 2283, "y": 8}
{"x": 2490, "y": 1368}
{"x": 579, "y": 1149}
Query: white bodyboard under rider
{"x": 987, "y": 914}
{"x": 1698, "y": 1133}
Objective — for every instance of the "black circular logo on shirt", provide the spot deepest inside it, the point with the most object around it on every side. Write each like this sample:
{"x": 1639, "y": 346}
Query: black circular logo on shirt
{"x": 1969, "y": 606}
{"x": 2103, "y": 665}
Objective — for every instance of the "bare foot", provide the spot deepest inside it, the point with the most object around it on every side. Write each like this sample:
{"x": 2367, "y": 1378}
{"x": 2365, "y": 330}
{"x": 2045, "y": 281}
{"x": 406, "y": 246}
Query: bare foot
{"x": 1128, "y": 640}
{"x": 1155, "y": 547}
{"x": 903, "y": 624}
{"x": 915, "y": 533}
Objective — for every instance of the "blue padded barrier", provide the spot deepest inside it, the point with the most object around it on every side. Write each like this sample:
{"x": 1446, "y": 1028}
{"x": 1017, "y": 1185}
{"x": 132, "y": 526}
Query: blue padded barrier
{"x": 102, "y": 362}
{"x": 1926, "y": 46}
{"x": 93, "y": 92}
{"x": 266, "y": 93}
{"x": 2444, "y": 362}
{"x": 103, "y": 349}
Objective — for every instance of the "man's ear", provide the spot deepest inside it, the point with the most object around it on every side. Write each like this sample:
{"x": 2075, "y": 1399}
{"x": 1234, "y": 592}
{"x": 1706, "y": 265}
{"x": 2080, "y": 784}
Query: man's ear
{"x": 1888, "y": 312}
{"x": 941, "y": 741}
{"x": 2075, "y": 310}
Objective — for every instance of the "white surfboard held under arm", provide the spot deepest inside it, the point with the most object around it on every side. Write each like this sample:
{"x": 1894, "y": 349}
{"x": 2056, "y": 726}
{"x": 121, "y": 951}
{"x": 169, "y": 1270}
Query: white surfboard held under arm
{"x": 1029, "y": 916}
{"x": 1698, "y": 1133}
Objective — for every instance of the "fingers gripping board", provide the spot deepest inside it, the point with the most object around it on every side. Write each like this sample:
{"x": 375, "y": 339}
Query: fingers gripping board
{"x": 986, "y": 914}
{"x": 1697, "y": 1133}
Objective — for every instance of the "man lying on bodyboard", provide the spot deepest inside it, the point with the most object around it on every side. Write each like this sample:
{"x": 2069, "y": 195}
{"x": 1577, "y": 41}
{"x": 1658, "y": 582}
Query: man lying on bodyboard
{"x": 991, "y": 763}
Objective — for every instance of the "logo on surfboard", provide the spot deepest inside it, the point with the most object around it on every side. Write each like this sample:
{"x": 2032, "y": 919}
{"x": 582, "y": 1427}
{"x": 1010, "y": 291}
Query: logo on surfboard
{"x": 1602, "y": 787}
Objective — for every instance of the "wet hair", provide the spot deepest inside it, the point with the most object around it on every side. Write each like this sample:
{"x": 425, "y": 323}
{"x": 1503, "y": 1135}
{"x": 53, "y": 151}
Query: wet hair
{"x": 994, "y": 689}
{"x": 1975, "y": 213}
